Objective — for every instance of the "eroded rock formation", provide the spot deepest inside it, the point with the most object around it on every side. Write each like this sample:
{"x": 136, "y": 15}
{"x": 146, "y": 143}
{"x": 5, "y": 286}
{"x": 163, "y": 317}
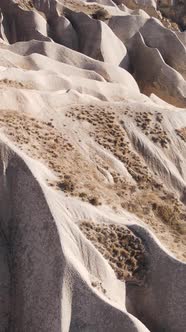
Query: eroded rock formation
{"x": 92, "y": 167}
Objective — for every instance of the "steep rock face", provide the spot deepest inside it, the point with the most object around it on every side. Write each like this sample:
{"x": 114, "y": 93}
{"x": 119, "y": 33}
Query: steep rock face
{"x": 19, "y": 24}
{"x": 53, "y": 284}
{"x": 49, "y": 284}
{"x": 159, "y": 311}
{"x": 62, "y": 32}
{"x": 154, "y": 75}
{"x": 166, "y": 42}
{"x": 94, "y": 39}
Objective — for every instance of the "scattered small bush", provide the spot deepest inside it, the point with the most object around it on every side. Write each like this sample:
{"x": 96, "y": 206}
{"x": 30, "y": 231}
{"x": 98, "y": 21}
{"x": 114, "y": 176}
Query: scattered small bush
{"x": 101, "y": 14}
{"x": 66, "y": 185}
{"x": 94, "y": 201}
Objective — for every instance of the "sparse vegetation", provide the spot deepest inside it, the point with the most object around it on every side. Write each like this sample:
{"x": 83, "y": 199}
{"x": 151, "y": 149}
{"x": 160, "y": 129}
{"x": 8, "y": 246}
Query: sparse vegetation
{"x": 152, "y": 127}
{"x": 101, "y": 14}
{"x": 182, "y": 133}
{"x": 170, "y": 214}
{"x": 112, "y": 136}
{"x": 26, "y": 4}
{"x": 41, "y": 140}
{"x": 124, "y": 251}
{"x": 67, "y": 185}
{"x": 94, "y": 201}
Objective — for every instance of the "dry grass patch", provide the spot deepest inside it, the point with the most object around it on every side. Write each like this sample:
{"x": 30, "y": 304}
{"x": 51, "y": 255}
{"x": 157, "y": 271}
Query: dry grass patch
{"x": 15, "y": 84}
{"x": 171, "y": 215}
{"x": 41, "y": 140}
{"x": 159, "y": 205}
{"x": 124, "y": 251}
{"x": 110, "y": 134}
{"x": 26, "y": 4}
{"x": 182, "y": 133}
{"x": 79, "y": 175}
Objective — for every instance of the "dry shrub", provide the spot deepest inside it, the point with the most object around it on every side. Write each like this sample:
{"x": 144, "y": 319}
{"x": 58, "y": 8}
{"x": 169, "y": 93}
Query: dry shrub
{"x": 66, "y": 185}
{"x": 101, "y": 14}
{"x": 94, "y": 201}
{"x": 83, "y": 195}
